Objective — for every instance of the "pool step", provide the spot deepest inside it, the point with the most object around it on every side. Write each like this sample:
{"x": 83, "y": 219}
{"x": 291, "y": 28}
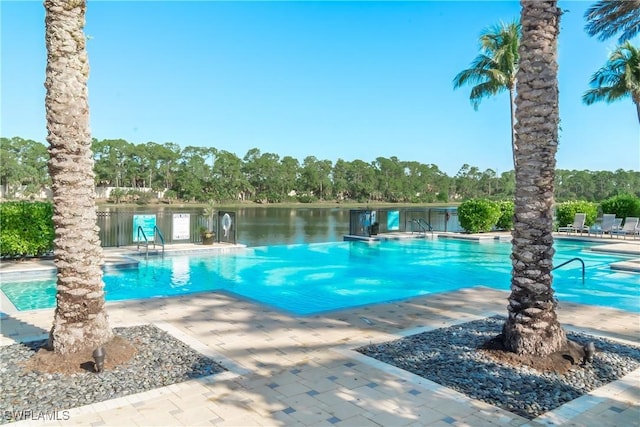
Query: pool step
{"x": 632, "y": 265}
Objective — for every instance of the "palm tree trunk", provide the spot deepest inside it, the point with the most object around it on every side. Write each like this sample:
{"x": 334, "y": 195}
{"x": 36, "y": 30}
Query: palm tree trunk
{"x": 512, "y": 110}
{"x": 532, "y": 326}
{"x": 80, "y": 319}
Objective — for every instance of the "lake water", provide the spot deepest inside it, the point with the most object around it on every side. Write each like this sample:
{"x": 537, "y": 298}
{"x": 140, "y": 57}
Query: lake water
{"x": 261, "y": 226}
{"x": 284, "y": 226}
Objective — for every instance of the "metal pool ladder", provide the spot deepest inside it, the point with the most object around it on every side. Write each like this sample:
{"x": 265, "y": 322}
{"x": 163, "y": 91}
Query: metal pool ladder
{"x": 156, "y": 230}
{"x": 423, "y": 225}
{"x": 571, "y": 260}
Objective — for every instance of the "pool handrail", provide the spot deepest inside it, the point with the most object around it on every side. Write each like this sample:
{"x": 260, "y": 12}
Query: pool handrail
{"x": 157, "y": 230}
{"x": 423, "y": 224}
{"x": 140, "y": 230}
{"x": 571, "y": 260}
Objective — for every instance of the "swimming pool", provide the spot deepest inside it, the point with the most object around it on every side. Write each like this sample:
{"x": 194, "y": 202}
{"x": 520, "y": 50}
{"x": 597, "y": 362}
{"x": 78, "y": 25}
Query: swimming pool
{"x": 308, "y": 279}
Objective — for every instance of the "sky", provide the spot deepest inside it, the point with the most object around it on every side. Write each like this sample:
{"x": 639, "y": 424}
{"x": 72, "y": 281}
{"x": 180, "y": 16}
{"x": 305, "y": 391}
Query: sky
{"x": 334, "y": 80}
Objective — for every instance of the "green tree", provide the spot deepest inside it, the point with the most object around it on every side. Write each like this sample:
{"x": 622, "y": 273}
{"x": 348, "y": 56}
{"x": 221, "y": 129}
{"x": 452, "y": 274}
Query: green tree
{"x": 494, "y": 70}
{"x": 162, "y": 159}
{"x": 80, "y": 319}
{"x": 315, "y": 177}
{"x": 361, "y": 177}
{"x": 619, "y": 78}
{"x": 606, "y": 18}
{"x": 194, "y": 180}
{"x": 111, "y": 157}
{"x": 290, "y": 171}
{"x": 425, "y": 183}
{"x": 228, "y": 179}
{"x": 340, "y": 180}
{"x": 467, "y": 182}
{"x": 392, "y": 179}
{"x": 505, "y": 185}
{"x": 262, "y": 171}
{"x": 23, "y": 166}
{"x": 532, "y": 325}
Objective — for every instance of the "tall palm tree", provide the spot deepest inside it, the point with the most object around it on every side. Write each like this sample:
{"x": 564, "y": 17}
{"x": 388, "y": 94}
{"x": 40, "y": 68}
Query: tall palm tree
{"x": 80, "y": 319}
{"x": 532, "y": 326}
{"x": 605, "y": 18}
{"x": 618, "y": 78}
{"x": 494, "y": 69}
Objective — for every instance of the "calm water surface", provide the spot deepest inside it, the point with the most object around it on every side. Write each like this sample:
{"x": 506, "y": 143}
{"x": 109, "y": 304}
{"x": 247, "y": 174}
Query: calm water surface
{"x": 286, "y": 226}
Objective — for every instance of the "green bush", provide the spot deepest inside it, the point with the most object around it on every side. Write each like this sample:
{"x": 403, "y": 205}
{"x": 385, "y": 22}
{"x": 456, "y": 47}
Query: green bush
{"x": 26, "y": 229}
{"x": 478, "y": 215}
{"x": 507, "y": 210}
{"x": 305, "y": 198}
{"x": 566, "y": 211}
{"x": 443, "y": 196}
{"x": 623, "y": 205}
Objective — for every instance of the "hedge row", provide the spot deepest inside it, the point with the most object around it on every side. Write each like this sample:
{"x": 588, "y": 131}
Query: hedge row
{"x": 481, "y": 215}
{"x": 26, "y": 229}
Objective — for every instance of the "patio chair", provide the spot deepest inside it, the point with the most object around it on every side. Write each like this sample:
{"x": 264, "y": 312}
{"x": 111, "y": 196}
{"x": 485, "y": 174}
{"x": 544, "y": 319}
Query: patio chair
{"x": 629, "y": 228}
{"x": 578, "y": 224}
{"x": 606, "y": 226}
{"x": 617, "y": 224}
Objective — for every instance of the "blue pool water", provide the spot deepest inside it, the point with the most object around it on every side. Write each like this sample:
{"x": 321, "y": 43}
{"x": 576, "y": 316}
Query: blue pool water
{"x": 307, "y": 279}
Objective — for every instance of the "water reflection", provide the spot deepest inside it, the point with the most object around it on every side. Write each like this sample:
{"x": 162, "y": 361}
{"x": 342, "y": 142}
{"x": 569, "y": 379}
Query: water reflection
{"x": 287, "y": 226}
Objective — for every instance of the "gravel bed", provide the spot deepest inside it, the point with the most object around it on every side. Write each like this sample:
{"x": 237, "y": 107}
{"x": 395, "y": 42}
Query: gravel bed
{"x": 160, "y": 360}
{"x": 449, "y": 357}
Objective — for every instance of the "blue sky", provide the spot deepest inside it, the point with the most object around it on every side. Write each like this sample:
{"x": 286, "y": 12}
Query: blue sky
{"x": 350, "y": 80}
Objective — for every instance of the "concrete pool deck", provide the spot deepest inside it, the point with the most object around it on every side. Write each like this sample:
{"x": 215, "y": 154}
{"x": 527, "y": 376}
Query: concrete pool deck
{"x": 285, "y": 370}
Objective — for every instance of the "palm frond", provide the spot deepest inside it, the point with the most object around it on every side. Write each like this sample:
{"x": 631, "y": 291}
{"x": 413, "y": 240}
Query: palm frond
{"x": 495, "y": 68}
{"x": 618, "y": 78}
{"x": 606, "y": 18}
{"x": 484, "y": 90}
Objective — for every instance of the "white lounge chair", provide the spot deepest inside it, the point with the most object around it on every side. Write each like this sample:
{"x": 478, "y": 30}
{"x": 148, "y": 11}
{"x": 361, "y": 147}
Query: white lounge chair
{"x": 578, "y": 224}
{"x": 606, "y": 226}
{"x": 629, "y": 228}
{"x": 617, "y": 224}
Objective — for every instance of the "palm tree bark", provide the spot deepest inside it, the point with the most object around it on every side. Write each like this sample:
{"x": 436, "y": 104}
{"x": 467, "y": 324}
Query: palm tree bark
{"x": 512, "y": 112}
{"x": 80, "y": 319}
{"x": 532, "y": 326}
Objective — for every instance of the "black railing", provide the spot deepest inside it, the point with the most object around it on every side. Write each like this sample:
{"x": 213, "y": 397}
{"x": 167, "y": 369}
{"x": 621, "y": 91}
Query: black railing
{"x": 423, "y": 224}
{"x": 570, "y": 261}
{"x": 391, "y": 220}
{"x": 117, "y": 227}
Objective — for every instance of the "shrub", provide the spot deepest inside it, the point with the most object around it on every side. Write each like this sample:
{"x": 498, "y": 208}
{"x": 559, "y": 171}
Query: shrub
{"x": 306, "y": 198}
{"x": 623, "y": 205}
{"x": 566, "y": 211}
{"x": 26, "y": 228}
{"x": 478, "y": 215}
{"x": 443, "y": 196}
{"x": 507, "y": 210}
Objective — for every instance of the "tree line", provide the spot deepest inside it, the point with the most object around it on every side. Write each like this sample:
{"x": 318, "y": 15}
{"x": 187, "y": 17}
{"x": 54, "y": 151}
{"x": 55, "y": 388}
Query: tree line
{"x": 200, "y": 174}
